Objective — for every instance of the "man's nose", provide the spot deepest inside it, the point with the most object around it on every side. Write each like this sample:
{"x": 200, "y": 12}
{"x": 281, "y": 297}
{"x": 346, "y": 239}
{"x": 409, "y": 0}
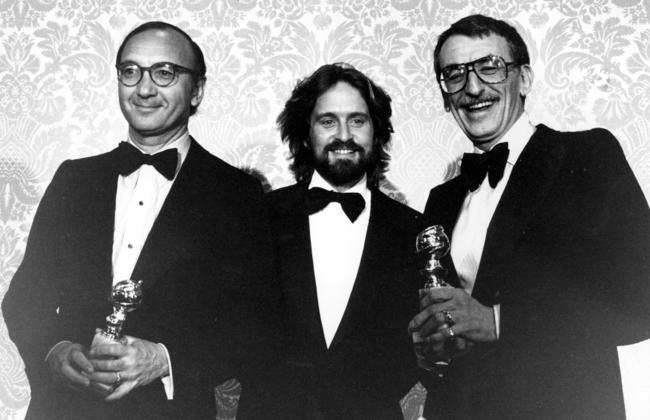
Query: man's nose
{"x": 146, "y": 87}
{"x": 474, "y": 85}
{"x": 343, "y": 132}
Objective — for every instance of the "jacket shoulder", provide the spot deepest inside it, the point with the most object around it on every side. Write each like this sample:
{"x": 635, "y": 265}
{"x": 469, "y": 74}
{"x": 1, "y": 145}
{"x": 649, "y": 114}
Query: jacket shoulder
{"x": 226, "y": 174}
{"x": 398, "y": 208}
{"x": 285, "y": 199}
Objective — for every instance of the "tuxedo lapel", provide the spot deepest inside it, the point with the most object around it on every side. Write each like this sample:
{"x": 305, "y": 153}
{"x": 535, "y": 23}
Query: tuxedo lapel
{"x": 364, "y": 290}
{"x": 443, "y": 206}
{"x": 295, "y": 243}
{"x": 171, "y": 235}
{"x": 100, "y": 201}
{"x": 532, "y": 177}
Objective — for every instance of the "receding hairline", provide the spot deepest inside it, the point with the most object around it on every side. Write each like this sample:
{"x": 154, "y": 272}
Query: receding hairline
{"x": 172, "y": 31}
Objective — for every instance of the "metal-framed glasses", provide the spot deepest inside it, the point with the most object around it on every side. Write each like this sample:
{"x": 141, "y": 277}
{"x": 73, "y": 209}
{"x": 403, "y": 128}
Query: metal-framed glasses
{"x": 489, "y": 69}
{"x": 162, "y": 74}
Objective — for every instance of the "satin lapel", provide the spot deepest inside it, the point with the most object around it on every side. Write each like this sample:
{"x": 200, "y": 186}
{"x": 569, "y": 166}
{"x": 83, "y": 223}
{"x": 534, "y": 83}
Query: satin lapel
{"x": 444, "y": 204}
{"x": 100, "y": 199}
{"x": 298, "y": 267}
{"x": 532, "y": 176}
{"x": 364, "y": 292}
{"x": 170, "y": 238}
{"x": 443, "y": 207}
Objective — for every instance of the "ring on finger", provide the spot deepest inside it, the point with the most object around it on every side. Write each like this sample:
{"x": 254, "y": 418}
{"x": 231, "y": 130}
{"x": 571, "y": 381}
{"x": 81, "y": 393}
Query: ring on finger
{"x": 449, "y": 320}
{"x": 450, "y": 332}
{"x": 118, "y": 378}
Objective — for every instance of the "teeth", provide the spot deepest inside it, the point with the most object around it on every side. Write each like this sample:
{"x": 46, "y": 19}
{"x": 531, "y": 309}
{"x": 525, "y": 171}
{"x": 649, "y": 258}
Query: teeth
{"x": 343, "y": 151}
{"x": 480, "y": 105}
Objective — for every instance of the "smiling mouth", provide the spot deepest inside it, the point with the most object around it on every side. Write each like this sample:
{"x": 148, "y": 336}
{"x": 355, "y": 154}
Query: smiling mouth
{"x": 342, "y": 151}
{"x": 145, "y": 106}
{"x": 479, "y": 106}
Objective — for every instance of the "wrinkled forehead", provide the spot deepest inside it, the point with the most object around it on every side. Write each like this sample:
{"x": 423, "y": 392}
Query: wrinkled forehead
{"x": 341, "y": 98}
{"x": 460, "y": 49}
{"x": 158, "y": 45}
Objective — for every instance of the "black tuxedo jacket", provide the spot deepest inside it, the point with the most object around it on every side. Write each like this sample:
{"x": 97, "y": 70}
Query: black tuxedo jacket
{"x": 204, "y": 265}
{"x": 370, "y": 364}
{"x": 567, "y": 256}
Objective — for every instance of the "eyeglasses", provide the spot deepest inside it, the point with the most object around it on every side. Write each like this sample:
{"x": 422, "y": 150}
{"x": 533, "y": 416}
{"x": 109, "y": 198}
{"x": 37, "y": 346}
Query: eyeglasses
{"x": 490, "y": 69}
{"x": 162, "y": 74}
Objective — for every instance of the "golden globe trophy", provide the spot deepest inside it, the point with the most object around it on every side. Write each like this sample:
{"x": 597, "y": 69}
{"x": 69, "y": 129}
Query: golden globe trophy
{"x": 125, "y": 297}
{"x": 433, "y": 244}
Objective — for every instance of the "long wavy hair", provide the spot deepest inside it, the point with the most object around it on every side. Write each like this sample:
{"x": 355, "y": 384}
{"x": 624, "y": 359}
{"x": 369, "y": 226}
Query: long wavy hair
{"x": 294, "y": 126}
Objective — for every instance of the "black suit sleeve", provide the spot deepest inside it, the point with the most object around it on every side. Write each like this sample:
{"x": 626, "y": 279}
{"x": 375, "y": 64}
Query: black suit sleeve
{"x": 30, "y": 304}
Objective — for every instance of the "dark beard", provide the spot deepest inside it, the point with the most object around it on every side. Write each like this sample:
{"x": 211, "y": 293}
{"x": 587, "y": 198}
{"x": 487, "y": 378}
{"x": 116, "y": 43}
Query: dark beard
{"x": 344, "y": 172}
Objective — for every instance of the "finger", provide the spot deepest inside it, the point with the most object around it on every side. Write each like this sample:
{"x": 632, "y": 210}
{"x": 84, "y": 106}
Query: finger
{"x": 108, "y": 365}
{"x": 101, "y": 388}
{"x": 436, "y": 338}
{"x": 111, "y": 350}
{"x": 123, "y": 389}
{"x": 430, "y": 327}
{"x": 445, "y": 317}
{"x": 426, "y": 314}
{"x": 451, "y": 332}
{"x": 80, "y": 360}
{"x": 106, "y": 378}
{"x": 74, "y": 377}
{"x": 436, "y": 295}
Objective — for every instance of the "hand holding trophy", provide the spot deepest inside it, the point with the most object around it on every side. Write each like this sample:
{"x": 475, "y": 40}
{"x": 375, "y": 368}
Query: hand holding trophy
{"x": 125, "y": 297}
{"x": 434, "y": 244}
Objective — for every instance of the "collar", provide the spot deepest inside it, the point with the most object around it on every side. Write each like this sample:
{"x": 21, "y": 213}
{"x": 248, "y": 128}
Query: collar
{"x": 517, "y": 137}
{"x": 360, "y": 187}
{"x": 182, "y": 145}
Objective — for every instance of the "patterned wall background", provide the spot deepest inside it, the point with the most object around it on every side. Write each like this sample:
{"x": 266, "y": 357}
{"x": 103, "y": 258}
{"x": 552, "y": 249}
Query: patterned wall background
{"x": 58, "y": 97}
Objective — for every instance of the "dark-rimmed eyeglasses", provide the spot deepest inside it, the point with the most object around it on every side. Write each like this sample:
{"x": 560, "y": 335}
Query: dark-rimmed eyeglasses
{"x": 162, "y": 74}
{"x": 489, "y": 69}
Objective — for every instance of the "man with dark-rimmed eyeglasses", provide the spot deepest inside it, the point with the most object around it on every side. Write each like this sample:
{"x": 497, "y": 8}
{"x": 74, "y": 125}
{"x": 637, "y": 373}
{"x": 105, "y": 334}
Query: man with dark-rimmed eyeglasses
{"x": 159, "y": 209}
{"x": 550, "y": 249}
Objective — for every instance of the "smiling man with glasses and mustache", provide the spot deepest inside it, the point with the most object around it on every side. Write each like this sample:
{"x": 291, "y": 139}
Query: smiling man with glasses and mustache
{"x": 344, "y": 256}
{"x": 161, "y": 209}
{"x": 550, "y": 249}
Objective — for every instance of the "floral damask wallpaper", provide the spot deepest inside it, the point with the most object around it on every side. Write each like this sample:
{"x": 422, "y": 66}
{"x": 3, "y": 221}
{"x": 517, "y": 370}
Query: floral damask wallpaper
{"x": 58, "y": 88}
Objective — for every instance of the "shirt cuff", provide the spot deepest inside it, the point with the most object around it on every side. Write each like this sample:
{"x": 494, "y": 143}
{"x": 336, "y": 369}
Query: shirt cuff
{"x": 497, "y": 321}
{"x": 47, "y": 356}
{"x": 168, "y": 381}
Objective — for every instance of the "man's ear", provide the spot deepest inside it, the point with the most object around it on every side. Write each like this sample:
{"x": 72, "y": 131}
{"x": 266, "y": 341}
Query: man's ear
{"x": 526, "y": 77}
{"x": 445, "y": 101}
{"x": 197, "y": 92}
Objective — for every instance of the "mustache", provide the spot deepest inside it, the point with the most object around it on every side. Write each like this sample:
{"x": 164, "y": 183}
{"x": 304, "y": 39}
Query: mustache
{"x": 474, "y": 101}
{"x": 340, "y": 144}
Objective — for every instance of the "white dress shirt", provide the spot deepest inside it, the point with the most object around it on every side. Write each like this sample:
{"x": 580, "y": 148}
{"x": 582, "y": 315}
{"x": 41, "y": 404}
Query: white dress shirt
{"x": 336, "y": 245}
{"x": 468, "y": 238}
{"x": 140, "y": 196}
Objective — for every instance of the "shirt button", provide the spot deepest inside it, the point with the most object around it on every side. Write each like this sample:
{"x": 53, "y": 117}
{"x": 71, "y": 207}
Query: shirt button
{"x": 140, "y": 202}
{"x": 129, "y": 246}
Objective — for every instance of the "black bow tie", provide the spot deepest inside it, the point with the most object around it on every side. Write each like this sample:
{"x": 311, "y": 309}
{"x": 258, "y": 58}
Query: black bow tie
{"x": 474, "y": 166}
{"x": 351, "y": 203}
{"x": 130, "y": 159}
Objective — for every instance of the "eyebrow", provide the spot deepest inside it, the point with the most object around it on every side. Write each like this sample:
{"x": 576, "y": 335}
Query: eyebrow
{"x": 335, "y": 115}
